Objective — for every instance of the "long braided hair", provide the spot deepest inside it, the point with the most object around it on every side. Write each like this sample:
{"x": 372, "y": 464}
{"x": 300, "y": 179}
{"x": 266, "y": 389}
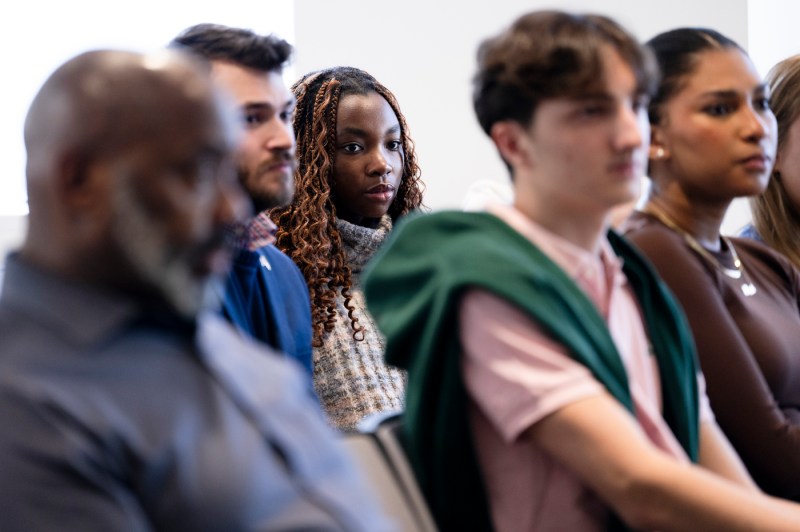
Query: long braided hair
{"x": 307, "y": 231}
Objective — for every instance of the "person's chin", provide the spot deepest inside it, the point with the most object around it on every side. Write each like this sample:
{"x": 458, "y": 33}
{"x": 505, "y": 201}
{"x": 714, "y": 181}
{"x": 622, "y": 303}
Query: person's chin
{"x": 271, "y": 199}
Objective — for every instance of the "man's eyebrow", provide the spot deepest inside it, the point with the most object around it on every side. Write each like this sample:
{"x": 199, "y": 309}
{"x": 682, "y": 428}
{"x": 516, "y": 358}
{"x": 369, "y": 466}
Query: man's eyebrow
{"x": 259, "y": 105}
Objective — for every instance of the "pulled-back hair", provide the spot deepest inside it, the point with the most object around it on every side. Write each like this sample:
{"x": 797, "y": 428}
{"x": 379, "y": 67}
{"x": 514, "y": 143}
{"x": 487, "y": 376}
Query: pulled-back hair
{"x": 307, "y": 229}
{"x": 214, "y": 42}
{"x": 775, "y": 217}
{"x": 676, "y": 52}
{"x": 550, "y": 54}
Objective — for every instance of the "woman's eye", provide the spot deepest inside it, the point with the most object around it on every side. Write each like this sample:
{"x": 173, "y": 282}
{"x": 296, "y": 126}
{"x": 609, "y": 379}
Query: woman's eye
{"x": 351, "y": 148}
{"x": 763, "y": 104}
{"x": 395, "y": 145}
{"x": 719, "y": 109}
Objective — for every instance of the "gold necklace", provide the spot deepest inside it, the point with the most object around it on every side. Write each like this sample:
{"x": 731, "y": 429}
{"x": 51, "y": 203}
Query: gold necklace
{"x": 747, "y": 286}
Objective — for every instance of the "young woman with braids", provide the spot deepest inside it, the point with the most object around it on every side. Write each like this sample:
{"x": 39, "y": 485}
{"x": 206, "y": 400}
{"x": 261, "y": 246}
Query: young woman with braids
{"x": 356, "y": 174}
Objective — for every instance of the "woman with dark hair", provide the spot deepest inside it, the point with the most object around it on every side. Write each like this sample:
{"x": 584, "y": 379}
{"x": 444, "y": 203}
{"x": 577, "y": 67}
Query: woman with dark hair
{"x": 357, "y": 174}
{"x": 713, "y": 139}
{"x": 776, "y": 212}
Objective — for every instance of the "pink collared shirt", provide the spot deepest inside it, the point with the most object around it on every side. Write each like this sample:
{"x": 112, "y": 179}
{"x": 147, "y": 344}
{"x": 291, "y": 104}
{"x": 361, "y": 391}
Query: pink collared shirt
{"x": 515, "y": 376}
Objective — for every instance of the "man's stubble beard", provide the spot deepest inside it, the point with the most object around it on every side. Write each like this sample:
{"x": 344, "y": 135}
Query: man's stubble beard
{"x": 266, "y": 198}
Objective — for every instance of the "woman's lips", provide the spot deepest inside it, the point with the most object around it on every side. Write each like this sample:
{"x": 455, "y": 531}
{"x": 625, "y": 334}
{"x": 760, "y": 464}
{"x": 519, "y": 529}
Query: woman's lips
{"x": 381, "y": 193}
{"x": 757, "y": 163}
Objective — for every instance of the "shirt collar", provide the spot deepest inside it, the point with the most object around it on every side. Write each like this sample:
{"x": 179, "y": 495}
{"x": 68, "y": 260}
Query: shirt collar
{"x": 81, "y": 314}
{"x": 258, "y": 233}
{"x": 574, "y": 260}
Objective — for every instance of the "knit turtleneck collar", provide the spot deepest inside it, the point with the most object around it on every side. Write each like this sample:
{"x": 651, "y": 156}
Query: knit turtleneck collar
{"x": 361, "y": 243}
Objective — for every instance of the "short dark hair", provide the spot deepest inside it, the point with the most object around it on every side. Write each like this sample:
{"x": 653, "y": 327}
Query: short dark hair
{"x": 550, "y": 54}
{"x": 214, "y": 42}
{"x": 676, "y": 53}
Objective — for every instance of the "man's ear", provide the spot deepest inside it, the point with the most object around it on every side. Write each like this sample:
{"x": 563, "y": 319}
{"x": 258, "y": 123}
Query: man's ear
{"x": 81, "y": 185}
{"x": 511, "y": 142}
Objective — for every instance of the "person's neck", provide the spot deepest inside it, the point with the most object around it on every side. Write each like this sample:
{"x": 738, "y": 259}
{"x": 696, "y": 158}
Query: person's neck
{"x": 355, "y": 219}
{"x": 584, "y": 230}
{"x": 107, "y": 273}
{"x": 51, "y": 259}
{"x": 700, "y": 220}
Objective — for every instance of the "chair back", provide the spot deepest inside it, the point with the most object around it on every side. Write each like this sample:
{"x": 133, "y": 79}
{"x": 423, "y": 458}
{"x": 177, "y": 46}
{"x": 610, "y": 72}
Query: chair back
{"x": 383, "y": 460}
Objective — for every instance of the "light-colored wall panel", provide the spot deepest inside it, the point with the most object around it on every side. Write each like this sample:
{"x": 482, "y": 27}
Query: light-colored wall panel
{"x": 12, "y": 230}
{"x": 40, "y": 35}
{"x": 424, "y": 51}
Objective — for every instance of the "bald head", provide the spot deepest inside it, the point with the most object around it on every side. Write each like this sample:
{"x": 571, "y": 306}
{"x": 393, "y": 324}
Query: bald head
{"x": 114, "y": 132}
{"x": 101, "y": 101}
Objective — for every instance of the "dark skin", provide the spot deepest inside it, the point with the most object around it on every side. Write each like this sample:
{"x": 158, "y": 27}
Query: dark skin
{"x": 84, "y": 139}
{"x": 369, "y": 159}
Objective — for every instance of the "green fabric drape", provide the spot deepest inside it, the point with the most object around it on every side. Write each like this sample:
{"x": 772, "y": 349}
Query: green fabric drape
{"x": 413, "y": 288}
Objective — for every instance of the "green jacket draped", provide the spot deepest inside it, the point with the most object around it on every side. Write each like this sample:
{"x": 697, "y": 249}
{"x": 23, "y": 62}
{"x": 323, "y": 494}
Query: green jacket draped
{"x": 413, "y": 289}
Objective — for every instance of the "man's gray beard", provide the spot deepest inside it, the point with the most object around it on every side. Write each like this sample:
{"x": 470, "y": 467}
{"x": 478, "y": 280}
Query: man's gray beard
{"x": 143, "y": 243}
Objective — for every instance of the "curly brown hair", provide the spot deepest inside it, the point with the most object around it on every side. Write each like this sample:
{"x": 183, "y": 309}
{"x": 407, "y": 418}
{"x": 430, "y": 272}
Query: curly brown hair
{"x": 307, "y": 229}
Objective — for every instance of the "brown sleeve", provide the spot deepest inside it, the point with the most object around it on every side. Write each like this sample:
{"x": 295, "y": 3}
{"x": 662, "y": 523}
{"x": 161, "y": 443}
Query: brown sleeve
{"x": 766, "y": 438}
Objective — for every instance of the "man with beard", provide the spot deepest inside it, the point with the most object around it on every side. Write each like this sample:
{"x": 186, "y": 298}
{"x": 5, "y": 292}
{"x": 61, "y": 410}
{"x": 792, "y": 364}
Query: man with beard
{"x": 124, "y": 405}
{"x": 266, "y": 295}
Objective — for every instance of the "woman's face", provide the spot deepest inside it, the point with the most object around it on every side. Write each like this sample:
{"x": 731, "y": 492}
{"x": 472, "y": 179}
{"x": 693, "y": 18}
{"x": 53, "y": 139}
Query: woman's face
{"x": 788, "y": 164}
{"x": 717, "y": 133}
{"x": 369, "y": 158}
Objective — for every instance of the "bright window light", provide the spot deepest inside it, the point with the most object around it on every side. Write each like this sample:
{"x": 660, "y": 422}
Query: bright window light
{"x": 40, "y": 35}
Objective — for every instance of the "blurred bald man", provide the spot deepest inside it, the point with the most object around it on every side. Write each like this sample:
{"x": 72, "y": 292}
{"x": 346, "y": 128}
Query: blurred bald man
{"x": 124, "y": 404}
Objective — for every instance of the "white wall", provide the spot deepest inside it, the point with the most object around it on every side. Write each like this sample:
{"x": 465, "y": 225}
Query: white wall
{"x": 772, "y": 26}
{"x": 772, "y": 30}
{"x": 12, "y": 228}
{"x": 41, "y": 34}
{"x": 424, "y": 52}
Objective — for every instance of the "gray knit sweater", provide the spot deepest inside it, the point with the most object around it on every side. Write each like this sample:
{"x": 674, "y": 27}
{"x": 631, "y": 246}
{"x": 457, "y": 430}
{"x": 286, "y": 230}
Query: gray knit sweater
{"x": 350, "y": 377}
